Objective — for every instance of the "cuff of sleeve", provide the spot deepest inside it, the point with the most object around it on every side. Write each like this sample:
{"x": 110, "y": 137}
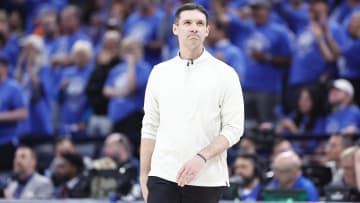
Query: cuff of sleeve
{"x": 231, "y": 137}
{"x": 148, "y": 136}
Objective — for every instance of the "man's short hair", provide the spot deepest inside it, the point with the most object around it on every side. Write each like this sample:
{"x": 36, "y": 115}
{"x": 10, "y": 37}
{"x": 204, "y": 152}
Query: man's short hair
{"x": 189, "y": 7}
{"x": 75, "y": 160}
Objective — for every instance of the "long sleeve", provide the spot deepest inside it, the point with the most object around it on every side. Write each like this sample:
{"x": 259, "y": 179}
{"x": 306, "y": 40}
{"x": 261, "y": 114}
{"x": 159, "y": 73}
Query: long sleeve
{"x": 232, "y": 110}
{"x": 151, "y": 118}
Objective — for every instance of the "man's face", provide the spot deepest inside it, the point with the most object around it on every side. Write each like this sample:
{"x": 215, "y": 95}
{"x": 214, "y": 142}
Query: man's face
{"x": 260, "y": 14}
{"x": 191, "y": 29}
{"x": 3, "y": 70}
{"x": 318, "y": 11}
{"x": 24, "y": 161}
{"x": 49, "y": 24}
{"x": 69, "y": 19}
{"x": 337, "y": 97}
{"x": 64, "y": 170}
{"x": 334, "y": 147}
{"x": 111, "y": 149}
{"x": 284, "y": 174}
{"x": 354, "y": 26}
{"x": 244, "y": 167}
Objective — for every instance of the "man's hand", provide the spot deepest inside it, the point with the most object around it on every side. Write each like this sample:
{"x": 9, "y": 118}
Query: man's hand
{"x": 190, "y": 170}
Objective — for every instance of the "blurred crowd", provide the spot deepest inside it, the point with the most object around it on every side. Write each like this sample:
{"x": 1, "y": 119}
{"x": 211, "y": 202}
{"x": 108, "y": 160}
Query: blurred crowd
{"x": 76, "y": 68}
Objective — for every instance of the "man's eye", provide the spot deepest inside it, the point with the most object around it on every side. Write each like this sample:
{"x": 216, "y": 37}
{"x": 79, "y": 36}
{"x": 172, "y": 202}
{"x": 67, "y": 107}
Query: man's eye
{"x": 200, "y": 23}
{"x": 187, "y": 22}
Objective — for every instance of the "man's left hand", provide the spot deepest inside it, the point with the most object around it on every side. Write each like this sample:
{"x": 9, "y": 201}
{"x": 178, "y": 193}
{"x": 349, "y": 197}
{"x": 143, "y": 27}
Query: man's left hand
{"x": 189, "y": 170}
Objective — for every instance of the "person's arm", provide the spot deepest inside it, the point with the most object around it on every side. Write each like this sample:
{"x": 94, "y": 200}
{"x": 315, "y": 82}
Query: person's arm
{"x": 146, "y": 151}
{"x": 278, "y": 61}
{"x": 14, "y": 115}
{"x": 149, "y": 128}
{"x": 357, "y": 168}
{"x": 334, "y": 46}
{"x": 232, "y": 126}
{"x": 324, "y": 48}
{"x": 130, "y": 86}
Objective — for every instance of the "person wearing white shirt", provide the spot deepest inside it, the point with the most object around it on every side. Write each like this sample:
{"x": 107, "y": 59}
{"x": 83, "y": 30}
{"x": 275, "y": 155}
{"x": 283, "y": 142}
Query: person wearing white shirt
{"x": 194, "y": 112}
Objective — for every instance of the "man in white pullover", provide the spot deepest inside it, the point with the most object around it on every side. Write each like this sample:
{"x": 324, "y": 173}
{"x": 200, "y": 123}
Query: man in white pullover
{"x": 194, "y": 112}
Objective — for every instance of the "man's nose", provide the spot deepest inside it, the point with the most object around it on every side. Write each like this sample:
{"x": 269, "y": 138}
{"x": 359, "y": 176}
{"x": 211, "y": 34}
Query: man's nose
{"x": 194, "y": 27}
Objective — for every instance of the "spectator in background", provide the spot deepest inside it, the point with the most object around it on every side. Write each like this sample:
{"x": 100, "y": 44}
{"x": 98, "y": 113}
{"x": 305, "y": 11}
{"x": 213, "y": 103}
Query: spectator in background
{"x": 12, "y": 111}
{"x": 35, "y": 80}
{"x": 344, "y": 116}
{"x": 71, "y": 33}
{"x": 268, "y": 53}
{"x": 117, "y": 151}
{"x": 336, "y": 145}
{"x": 287, "y": 175}
{"x": 294, "y": 12}
{"x": 125, "y": 88}
{"x": 9, "y": 44}
{"x": 350, "y": 178}
{"x": 306, "y": 119}
{"x": 70, "y": 171}
{"x": 223, "y": 49}
{"x": 143, "y": 25}
{"x": 50, "y": 32}
{"x": 349, "y": 65}
{"x": 318, "y": 47}
{"x": 247, "y": 181}
{"x": 107, "y": 59}
{"x": 72, "y": 96}
{"x": 247, "y": 145}
{"x": 280, "y": 145}
{"x": 308, "y": 115}
{"x": 28, "y": 184}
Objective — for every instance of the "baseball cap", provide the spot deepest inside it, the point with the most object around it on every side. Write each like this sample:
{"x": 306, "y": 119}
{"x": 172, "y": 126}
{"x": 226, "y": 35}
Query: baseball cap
{"x": 344, "y": 85}
{"x": 260, "y": 3}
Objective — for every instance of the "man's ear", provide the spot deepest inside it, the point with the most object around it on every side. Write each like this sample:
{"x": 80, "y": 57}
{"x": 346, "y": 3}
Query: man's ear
{"x": 174, "y": 29}
{"x": 207, "y": 30}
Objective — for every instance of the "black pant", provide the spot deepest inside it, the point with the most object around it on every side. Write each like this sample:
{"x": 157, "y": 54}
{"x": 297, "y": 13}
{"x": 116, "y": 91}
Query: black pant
{"x": 164, "y": 191}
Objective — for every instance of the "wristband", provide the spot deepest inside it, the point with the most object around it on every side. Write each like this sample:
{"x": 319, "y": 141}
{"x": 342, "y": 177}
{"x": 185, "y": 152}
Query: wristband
{"x": 202, "y": 157}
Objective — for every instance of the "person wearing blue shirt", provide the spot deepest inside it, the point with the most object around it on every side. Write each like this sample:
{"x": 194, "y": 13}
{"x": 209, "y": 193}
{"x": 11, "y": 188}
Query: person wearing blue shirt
{"x": 72, "y": 96}
{"x": 246, "y": 183}
{"x": 295, "y": 13}
{"x": 221, "y": 47}
{"x": 125, "y": 87}
{"x": 12, "y": 111}
{"x": 70, "y": 24}
{"x": 267, "y": 53}
{"x": 318, "y": 47}
{"x": 350, "y": 62}
{"x": 287, "y": 175}
{"x": 143, "y": 25}
{"x": 344, "y": 116}
{"x": 33, "y": 77}
{"x": 9, "y": 44}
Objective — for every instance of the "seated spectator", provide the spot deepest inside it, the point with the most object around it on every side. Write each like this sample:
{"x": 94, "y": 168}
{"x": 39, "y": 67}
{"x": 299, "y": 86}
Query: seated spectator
{"x": 62, "y": 145}
{"x": 125, "y": 88}
{"x": 28, "y": 184}
{"x": 350, "y": 178}
{"x": 307, "y": 118}
{"x": 73, "y": 182}
{"x": 72, "y": 97}
{"x": 334, "y": 148}
{"x": 107, "y": 59}
{"x": 287, "y": 175}
{"x": 117, "y": 157}
{"x": 280, "y": 145}
{"x": 35, "y": 79}
{"x": 246, "y": 182}
{"x": 247, "y": 145}
{"x": 12, "y": 110}
{"x": 344, "y": 116}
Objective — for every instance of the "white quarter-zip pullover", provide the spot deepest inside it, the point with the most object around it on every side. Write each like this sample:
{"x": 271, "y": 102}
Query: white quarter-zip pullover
{"x": 187, "y": 104}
